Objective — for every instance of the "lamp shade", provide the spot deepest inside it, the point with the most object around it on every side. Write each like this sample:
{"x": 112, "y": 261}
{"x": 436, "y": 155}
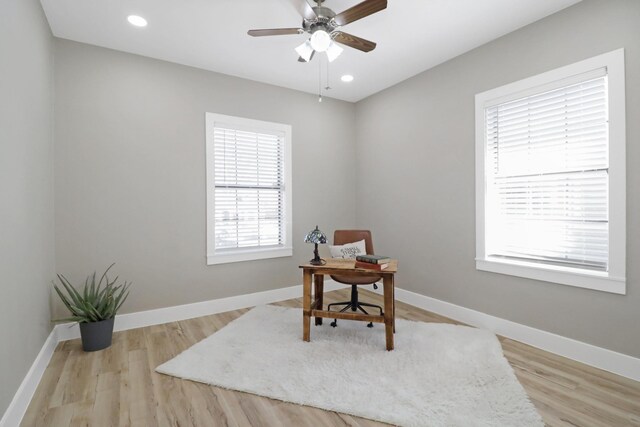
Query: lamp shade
{"x": 333, "y": 51}
{"x": 305, "y": 50}
{"x": 315, "y": 236}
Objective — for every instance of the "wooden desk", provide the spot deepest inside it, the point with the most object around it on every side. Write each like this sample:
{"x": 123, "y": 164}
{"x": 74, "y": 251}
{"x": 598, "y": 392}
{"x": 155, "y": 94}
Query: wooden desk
{"x": 346, "y": 267}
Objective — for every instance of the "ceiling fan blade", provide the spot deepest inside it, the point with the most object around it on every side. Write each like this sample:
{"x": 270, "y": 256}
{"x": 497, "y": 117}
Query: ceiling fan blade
{"x": 301, "y": 59}
{"x": 304, "y": 9}
{"x": 275, "y": 32}
{"x": 353, "y": 41}
{"x": 359, "y": 11}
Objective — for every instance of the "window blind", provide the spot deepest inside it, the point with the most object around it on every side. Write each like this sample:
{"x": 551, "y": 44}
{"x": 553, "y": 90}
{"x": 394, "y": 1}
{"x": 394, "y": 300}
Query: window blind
{"x": 249, "y": 188}
{"x": 547, "y": 176}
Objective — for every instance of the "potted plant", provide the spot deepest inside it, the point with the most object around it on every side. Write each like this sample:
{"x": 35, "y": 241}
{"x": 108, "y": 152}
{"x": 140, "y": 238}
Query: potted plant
{"x": 94, "y": 308}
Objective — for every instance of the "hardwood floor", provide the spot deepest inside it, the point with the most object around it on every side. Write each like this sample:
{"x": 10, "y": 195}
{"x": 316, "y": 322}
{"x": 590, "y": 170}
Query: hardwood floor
{"x": 118, "y": 386}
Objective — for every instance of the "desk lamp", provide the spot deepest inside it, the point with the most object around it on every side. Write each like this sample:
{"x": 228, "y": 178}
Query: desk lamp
{"x": 316, "y": 236}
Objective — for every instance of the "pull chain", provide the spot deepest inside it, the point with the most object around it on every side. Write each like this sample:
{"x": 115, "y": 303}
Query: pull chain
{"x": 319, "y": 79}
{"x": 327, "y": 87}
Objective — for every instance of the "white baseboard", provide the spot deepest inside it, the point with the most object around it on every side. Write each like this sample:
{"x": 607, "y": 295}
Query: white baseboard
{"x": 598, "y": 357}
{"x": 601, "y": 358}
{"x": 69, "y": 331}
{"x": 18, "y": 406}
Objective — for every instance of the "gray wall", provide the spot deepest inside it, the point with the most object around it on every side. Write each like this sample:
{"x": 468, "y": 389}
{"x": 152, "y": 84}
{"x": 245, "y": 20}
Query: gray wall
{"x": 26, "y": 189}
{"x": 416, "y": 147}
{"x": 130, "y": 173}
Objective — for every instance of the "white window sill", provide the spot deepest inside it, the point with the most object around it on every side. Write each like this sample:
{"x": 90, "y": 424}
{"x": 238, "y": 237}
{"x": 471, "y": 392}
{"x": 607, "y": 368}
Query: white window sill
{"x": 239, "y": 255}
{"x": 600, "y": 281}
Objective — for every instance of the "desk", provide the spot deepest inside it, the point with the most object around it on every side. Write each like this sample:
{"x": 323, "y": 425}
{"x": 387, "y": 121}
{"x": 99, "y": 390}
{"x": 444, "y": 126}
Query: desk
{"x": 345, "y": 267}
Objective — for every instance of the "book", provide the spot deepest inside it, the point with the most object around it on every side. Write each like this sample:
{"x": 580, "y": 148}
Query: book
{"x": 371, "y": 266}
{"x": 373, "y": 259}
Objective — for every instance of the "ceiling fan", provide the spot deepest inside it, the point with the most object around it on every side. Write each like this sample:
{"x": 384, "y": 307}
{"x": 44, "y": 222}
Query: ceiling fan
{"x": 324, "y": 26}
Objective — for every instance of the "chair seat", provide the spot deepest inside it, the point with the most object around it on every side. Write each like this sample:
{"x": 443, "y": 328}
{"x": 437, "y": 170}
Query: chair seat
{"x": 356, "y": 280}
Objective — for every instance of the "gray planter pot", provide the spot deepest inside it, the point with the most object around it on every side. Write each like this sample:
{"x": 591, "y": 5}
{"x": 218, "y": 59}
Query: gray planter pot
{"x": 96, "y": 335}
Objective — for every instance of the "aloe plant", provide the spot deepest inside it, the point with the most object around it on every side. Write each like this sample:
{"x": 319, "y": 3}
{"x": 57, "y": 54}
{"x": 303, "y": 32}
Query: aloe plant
{"x": 96, "y": 302}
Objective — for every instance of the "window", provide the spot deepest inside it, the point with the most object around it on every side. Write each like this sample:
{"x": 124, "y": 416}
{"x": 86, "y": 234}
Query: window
{"x": 248, "y": 189}
{"x": 550, "y": 183}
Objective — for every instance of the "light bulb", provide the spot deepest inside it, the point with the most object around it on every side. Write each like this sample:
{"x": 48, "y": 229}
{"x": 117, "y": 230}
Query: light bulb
{"x": 305, "y": 50}
{"x": 320, "y": 40}
{"x": 333, "y": 51}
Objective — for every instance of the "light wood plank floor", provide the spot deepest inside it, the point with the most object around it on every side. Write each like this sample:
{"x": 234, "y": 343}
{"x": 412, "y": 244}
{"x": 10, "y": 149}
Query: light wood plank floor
{"x": 118, "y": 386}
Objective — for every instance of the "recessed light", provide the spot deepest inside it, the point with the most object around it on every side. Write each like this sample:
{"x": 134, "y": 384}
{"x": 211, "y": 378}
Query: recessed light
{"x": 137, "y": 21}
{"x": 347, "y": 78}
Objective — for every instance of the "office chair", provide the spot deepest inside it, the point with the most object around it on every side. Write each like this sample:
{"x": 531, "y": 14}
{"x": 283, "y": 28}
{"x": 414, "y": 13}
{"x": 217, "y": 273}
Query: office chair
{"x": 340, "y": 237}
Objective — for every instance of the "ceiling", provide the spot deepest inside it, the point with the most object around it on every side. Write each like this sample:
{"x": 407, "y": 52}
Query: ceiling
{"x": 412, "y": 36}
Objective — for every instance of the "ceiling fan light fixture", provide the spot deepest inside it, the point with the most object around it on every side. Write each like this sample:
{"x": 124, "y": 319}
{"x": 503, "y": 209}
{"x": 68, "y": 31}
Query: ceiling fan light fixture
{"x": 305, "y": 50}
{"x": 320, "y": 40}
{"x": 333, "y": 51}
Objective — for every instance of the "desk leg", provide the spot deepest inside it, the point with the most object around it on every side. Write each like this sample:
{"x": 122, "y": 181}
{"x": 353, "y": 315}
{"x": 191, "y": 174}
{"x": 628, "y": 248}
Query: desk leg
{"x": 306, "y": 305}
{"x": 318, "y": 292}
{"x": 393, "y": 300}
{"x": 388, "y": 310}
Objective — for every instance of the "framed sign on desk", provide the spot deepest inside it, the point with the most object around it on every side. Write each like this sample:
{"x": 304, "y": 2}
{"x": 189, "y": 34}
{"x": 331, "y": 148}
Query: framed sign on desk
{"x": 345, "y": 267}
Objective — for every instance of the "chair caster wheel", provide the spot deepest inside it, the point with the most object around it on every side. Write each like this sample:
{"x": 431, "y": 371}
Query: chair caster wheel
{"x": 370, "y": 325}
{"x": 334, "y": 323}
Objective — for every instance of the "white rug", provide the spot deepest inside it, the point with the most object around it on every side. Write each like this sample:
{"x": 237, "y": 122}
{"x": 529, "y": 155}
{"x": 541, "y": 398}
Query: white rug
{"x": 438, "y": 374}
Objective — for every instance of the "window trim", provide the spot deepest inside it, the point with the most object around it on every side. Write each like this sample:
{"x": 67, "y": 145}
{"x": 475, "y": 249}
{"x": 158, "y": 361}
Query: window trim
{"x": 256, "y": 253}
{"x": 614, "y": 279}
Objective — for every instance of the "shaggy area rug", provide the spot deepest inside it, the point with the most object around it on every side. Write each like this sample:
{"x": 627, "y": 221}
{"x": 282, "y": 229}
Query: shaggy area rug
{"x": 438, "y": 374}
